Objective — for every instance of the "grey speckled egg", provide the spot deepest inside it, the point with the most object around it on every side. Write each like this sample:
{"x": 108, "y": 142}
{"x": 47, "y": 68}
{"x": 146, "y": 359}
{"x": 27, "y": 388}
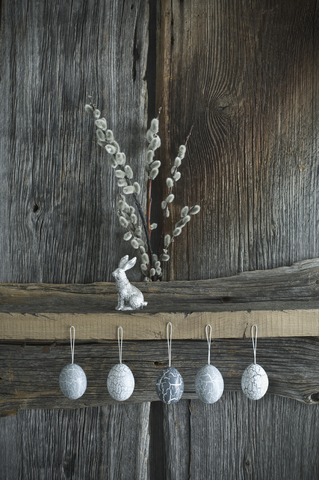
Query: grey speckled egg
{"x": 72, "y": 381}
{"x": 254, "y": 381}
{"x": 209, "y": 384}
{"x": 170, "y": 385}
{"x": 120, "y": 382}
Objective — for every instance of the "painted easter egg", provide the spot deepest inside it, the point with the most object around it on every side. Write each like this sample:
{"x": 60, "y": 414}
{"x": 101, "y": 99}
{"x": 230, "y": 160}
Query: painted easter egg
{"x": 254, "y": 382}
{"x": 170, "y": 385}
{"x": 209, "y": 384}
{"x": 72, "y": 381}
{"x": 120, "y": 382}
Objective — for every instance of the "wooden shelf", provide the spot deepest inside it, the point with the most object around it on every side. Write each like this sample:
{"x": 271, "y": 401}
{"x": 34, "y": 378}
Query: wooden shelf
{"x": 283, "y": 302}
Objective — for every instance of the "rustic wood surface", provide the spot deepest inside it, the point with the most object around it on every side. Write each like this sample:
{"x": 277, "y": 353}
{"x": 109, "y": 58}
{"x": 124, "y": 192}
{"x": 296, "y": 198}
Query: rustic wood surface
{"x": 58, "y": 191}
{"x": 245, "y": 74}
{"x": 295, "y": 286}
{"x": 234, "y": 438}
{"x": 283, "y": 302}
{"x": 77, "y": 444}
{"x": 29, "y": 374}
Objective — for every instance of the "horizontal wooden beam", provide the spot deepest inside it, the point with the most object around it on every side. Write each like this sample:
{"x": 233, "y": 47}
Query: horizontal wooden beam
{"x": 29, "y": 374}
{"x": 50, "y": 327}
{"x": 284, "y": 302}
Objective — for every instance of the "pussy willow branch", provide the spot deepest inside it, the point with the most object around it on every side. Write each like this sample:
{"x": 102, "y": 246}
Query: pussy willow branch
{"x": 140, "y": 211}
{"x": 149, "y": 206}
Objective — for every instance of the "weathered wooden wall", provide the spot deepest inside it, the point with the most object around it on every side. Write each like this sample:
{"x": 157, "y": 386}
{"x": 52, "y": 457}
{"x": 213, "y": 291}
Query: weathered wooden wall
{"x": 246, "y": 75}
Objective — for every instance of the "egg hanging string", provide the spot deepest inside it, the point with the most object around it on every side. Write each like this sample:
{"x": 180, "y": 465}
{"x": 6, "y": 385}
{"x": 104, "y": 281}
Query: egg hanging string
{"x": 209, "y": 339}
{"x": 254, "y": 340}
{"x": 72, "y": 341}
{"x": 120, "y": 341}
{"x": 169, "y": 330}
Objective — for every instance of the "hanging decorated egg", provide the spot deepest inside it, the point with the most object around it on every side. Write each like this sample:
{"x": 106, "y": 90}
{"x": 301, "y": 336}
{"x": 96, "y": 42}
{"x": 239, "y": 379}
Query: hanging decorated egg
{"x": 120, "y": 382}
{"x": 209, "y": 384}
{"x": 72, "y": 381}
{"x": 254, "y": 381}
{"x": 170, "y": 385}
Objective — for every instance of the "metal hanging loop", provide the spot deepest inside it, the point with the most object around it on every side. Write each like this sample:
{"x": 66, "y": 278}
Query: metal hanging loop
{"x": 254, "y": 340}
{"x": 209, "y": 339}
{"x": 169, "y": 331}
{"x": 72, "y": 341}
{"x": 120, "y": 342}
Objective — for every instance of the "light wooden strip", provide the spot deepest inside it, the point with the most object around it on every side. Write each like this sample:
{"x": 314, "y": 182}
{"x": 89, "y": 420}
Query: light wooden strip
{"x": 141, "y": 326}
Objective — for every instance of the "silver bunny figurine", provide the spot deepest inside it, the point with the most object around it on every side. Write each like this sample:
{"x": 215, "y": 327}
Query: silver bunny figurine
{"x": 129, "y": 297}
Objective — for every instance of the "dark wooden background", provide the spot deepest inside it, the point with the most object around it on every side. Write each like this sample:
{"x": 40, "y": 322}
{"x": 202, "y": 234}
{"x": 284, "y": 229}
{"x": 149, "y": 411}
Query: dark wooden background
{"x": 245, "y": 73}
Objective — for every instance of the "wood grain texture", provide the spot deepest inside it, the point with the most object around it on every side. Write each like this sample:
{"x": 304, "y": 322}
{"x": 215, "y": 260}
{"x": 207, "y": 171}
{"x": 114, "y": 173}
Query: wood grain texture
{"x": 241, "y": 439}
{"x": 292, "y": 287}
{"x": 101, "y": 443}
{"x": 246, "y": 75}
{"x": 29, "y": 374}
{"x": 58, "y": 221}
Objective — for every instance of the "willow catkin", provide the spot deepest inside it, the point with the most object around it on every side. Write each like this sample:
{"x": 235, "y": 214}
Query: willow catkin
{"x": 186, "y": 219}
{"x": 137, "y": 188}
{"x": 123, "y": 221}
{"x": 127, "y": 236}
{"x": 134, "y": 244}
{"x": 195, "y": 210}
{"x": 170, "y": 198}
{"x": 111, "y": 150}
{"x": 184, "y": 211}
{"x": 169, "y": 182}
{"x": 156, "y": 164}
{"x": 155, "y": 143}
{"x": 177, "y": 162}
{"x": 128, "y": 190}
{"x": 128, "y": 171}
{"x": 109, "y": 135}
{"x": 149, "y": 156}
{"x": 153, "y": 173}
{"x": 122, "y": 182}
{"x": 101, "y": 123}
{"x": 149, "y": 136}
{"x": 167, "y": 240}
{"x": 177, "y": 231}
{"x": 100, "y": 135}
{"x": 89, "y": 109}
{"x": 154, "y": 125}
{"x": 182, "y": 151}
{"x": 145, "y": 258}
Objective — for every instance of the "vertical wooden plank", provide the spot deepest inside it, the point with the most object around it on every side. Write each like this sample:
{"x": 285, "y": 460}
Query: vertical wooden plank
{"x": 238, "y": 438}
{"x": 100, "y": 443}
{"x": 9, "y": 448}
{"x": 126, "y": 441}
{"x": 246, "y": 75}
{"x": 58, "y": 215}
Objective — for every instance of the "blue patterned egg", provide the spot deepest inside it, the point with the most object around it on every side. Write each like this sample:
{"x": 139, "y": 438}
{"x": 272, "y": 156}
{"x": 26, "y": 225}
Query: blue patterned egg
{"x": 170, "y": 385}
{"x": 72, "y": 381}
{"x": 254, "y": 381}
{"x": 209, "y": 384}
{"x": 120, "y": 382}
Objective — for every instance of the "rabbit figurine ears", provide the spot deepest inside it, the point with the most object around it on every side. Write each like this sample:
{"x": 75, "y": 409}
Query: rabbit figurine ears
{"x": 124, "y": 264}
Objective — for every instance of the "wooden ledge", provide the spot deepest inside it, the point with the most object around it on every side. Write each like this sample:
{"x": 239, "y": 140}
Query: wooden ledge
{"x": 283, "y": 302}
